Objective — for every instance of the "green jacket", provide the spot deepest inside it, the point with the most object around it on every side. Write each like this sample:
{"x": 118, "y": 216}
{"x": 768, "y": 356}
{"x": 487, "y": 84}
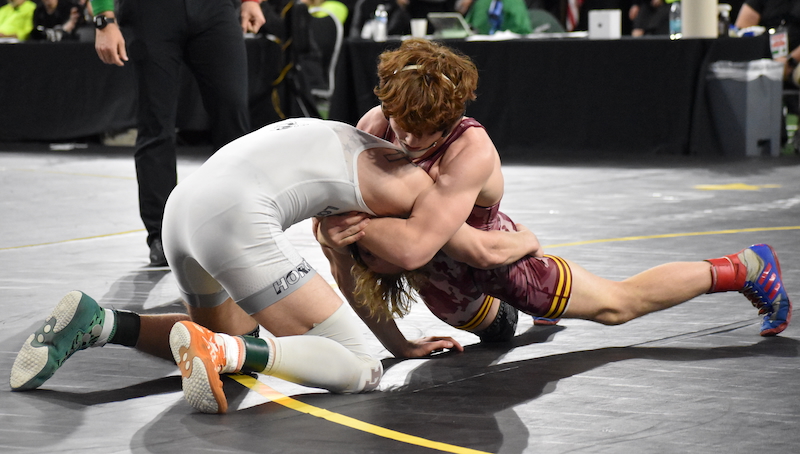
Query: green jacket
{"x": 515, "y": 17}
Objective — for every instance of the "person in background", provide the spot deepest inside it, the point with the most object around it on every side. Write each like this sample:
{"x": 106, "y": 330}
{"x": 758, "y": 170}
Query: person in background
{"x": 335, "y": 7}
{"x": 16, "y": 19}
{"x": 55, "y": 20}
{"x": 490, "y": 16}
{"x": 772, "y": 14}
{"x": 401, "y": 12}
{"x": 650, "y": 17}
{"x": 207, "y": 37}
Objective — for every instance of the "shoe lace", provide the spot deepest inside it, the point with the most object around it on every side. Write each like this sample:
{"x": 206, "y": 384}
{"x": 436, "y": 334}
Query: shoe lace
{"x": 756, "y": 299}
{"x": 80, "y": 341}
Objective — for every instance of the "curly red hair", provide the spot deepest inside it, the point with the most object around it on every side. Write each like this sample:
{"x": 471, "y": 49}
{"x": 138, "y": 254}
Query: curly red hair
{"x": 425, "y": 86}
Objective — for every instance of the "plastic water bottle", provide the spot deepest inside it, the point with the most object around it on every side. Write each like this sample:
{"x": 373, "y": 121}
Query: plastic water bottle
{"x": 381, "y": 23}
{"x": 675, "y": 20}
{"x": 724, "y": 23}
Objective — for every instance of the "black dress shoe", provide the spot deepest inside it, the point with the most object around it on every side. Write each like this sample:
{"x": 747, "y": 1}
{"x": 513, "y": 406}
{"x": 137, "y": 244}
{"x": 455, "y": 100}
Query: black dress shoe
{"x": 157, "y": 257}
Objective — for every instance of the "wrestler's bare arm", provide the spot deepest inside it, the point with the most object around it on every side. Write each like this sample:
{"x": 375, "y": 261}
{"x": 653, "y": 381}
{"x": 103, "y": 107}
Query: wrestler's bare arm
{"x": 386, "y": 331}
{"x": 436, "y": 216}
{"x": 486, "y": 250}
{"x": 476, "y": 248}
{"x": 462, "y": 176}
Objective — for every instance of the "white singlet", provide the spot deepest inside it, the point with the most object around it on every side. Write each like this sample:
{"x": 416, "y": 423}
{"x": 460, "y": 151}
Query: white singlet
{"x": 223, "y": 225}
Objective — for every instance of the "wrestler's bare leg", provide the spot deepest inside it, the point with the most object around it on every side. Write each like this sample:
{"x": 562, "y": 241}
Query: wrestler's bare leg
{"x": 296, "y": 314}
{"x": 226, "y": 318}
{"x": 615, "y": 302}
{"x": 156, "y": 328}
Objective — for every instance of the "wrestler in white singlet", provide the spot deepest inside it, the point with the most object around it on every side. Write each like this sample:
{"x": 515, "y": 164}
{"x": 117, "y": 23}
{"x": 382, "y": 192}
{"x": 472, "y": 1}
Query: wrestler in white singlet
{"x": 224, "y": 223}
{"x": 224, "y": 236}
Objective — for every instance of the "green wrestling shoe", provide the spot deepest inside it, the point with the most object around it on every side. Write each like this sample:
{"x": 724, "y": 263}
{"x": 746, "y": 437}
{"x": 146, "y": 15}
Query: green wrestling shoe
{"x": 75, "y": 323}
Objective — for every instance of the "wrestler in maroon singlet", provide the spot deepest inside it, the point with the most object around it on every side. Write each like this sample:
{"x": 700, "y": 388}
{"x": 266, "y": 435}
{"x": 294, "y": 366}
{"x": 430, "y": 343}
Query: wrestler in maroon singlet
{"x": 461, "y": 295}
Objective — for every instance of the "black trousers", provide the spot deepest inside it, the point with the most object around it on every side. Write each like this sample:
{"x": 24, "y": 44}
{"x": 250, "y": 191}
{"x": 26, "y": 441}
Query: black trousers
{"x": 161, "y": 36}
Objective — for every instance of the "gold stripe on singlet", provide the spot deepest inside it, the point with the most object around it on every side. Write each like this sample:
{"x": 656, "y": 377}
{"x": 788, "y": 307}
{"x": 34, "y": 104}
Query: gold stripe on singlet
{"x": 563, "y": 288}
{"x": 483, "y": 311}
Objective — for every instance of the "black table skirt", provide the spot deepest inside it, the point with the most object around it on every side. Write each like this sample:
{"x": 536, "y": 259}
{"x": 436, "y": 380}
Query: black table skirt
{"x": 62, "y": 91}
{"x": 575, "y": 96}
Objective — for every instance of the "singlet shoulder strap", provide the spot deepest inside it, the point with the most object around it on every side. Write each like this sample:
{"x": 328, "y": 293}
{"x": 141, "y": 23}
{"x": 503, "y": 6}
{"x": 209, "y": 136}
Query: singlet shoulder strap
{"x": 463, "y": 125}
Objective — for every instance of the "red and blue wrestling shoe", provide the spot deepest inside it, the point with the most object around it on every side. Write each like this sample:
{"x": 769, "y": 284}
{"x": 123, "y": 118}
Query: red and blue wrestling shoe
{"x": 765, "y": 290}
{"x": 542, "y": 321}
{"x": 756, "y": 273}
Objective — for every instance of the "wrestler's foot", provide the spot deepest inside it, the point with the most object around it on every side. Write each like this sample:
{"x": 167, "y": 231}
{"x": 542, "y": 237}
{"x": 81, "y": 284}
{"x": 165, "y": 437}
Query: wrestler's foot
{"x": 200, "y": 356}
{"x": 764, "y": 288}
{"x": 756, "y": 273}
{"x": 541, "y": 321}
{"x": 75, "y": 323}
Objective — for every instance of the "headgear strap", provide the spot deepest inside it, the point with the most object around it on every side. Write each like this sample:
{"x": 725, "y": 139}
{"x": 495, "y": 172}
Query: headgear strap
{"x": 412, "y": 67}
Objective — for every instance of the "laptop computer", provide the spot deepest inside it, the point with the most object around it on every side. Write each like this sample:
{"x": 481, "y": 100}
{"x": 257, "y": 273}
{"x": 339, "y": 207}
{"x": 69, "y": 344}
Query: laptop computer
{"x": 449, "y": 25}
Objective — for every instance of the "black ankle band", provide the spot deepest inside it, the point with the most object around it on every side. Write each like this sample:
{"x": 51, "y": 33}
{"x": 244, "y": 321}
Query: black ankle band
{"x": 127, "y": 329}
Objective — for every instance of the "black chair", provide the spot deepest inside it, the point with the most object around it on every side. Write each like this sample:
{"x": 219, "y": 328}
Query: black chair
{"x": 544, "y": 22}
{"x": 328, "y": 34}
{"x": 360, "y": 14}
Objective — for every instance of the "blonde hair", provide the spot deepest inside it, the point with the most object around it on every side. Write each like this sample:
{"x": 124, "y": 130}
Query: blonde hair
{"x": 425, "y": 86}
{"x": 386, "y": 296}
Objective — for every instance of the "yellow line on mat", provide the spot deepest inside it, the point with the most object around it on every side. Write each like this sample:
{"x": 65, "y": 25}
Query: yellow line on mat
{"x": 71, "y": 240}
{"x": 674, "y": 235}
{"x": 347, "y": 421}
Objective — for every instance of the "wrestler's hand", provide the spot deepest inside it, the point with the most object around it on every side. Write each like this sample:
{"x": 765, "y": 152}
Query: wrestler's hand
{"x": 423, "y": 347}
{"x": 341, "y": 230}
{"x": 252, "y": 18}
{"x": 535, "y": 247}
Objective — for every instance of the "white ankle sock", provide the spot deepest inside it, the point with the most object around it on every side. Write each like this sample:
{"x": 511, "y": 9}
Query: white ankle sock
{"x": 108, "y": 328}
{"x": 234, "y": 353}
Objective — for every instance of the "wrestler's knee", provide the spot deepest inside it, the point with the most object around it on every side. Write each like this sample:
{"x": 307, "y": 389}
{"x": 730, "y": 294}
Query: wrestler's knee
{"x": 610, "y": 318}
{"x": 340, "y": 339}
{"x": 604, "y": 312}
{"x": 366, "y": 376}
{"x": 605, "y": 302}
{"x": 503, "y": 327}
{"x": 614, "y": 314}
